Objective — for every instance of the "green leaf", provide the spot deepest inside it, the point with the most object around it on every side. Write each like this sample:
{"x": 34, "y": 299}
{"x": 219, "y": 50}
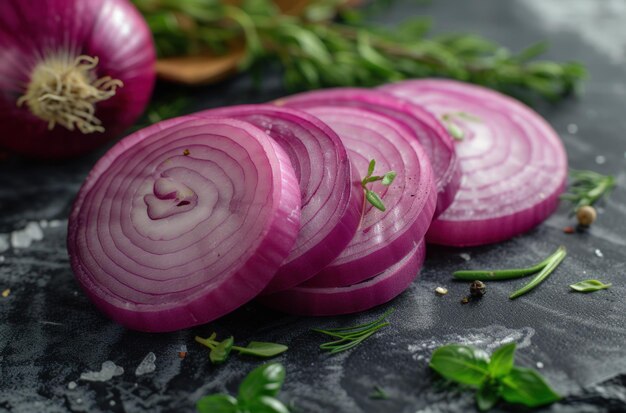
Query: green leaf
{"x": 455, "y": 131}
{"x": 372, "y": 178}
{"x": 527, "y": 387}
{"x": 588, "y": 286}
{"x": 265, "y": 380}
{"x": 389, "y": 177}
{"x": 373, "y": 198}
{"x": 217, "y": 403}
{"x": 502, "y": 360}
{"x": 220, "y": 353}
{"x": 487, "y": 395}
{"x": 264, "y": 404}
{"x": 379, "y": 394}
{"x": 262, "y": 349}
{"x": 462, "y": 364}
{"x": 371, "y": 167}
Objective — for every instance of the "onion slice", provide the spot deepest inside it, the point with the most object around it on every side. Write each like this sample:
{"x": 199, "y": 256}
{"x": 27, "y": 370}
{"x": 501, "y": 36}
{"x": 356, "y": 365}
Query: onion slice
{"x": 182, "y": 222}
{"x": 331, "y": 202}
{"x": 437, "y": 143}
{"x": 514, "y": 164}
{"x": 383, "y": 237}
{"x": 320, "y": 301}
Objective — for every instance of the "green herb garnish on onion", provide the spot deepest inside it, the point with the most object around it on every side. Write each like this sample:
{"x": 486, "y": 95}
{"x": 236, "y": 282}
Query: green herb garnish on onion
{"x": 350, "y": 337}
{"x": 494, "y": 377}
{"x": 386, "y": 179}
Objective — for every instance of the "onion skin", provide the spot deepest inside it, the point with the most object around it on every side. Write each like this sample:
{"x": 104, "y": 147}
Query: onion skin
{"x": 151, "y": 266}
{"x": 332, "y": 200}
{"x": 429, "y": 132}
{"x": 386, "y": 237}
{"x": 319, "y": 301}
{"x": 514, "y": 163}
{"x": 111, "y": 30}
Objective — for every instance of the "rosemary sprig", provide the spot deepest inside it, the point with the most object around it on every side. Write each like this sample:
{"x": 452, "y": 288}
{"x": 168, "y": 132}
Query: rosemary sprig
{"x": 349, "y": 337}
{"x": 543, "y": 271}
{"x": 316, "y": 52}
{"x": 386, "y": 179}
{"x": 587, "y": 187}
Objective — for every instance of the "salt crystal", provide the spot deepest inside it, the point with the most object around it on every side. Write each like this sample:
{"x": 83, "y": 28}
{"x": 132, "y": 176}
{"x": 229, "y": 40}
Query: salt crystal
{"x": 1, "y": 258}
{"x": 71, "y": 385}
{"x": 107, "y": 372}
{"x": 33, "y": 230}
{"x": 43, "y": 223}
{"x": 112, "y": 403}
{"x": 600, "y": 160}
{"x": 599, "y": 253}
{"x": 20, "y": 239}
{"x": 572, "y": 128}
{"x": 54, "y": 223}
{"x": 147, "y": 365}
{"x": 465, "y": 256}
{"x": 539, "y": 365}
{"x": 4, "y": 242}
{"x": 441, "y": 290}
{"x": 79, "y": 401}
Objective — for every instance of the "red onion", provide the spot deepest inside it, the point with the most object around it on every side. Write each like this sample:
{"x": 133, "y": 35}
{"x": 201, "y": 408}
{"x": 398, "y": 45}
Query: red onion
{"x": 331, "y": 202}
{"x": 182, "y": 222}
{"x": 73, "y": 74}
{"x": 386, "y": 237}
{"x": 514, "y": 165}
{"x": 432, "y": 136}
{"x": 320, "y": 301}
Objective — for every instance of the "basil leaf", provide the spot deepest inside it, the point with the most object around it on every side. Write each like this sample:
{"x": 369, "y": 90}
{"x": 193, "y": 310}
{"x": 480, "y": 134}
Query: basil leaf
{"x": 371, "y": 167}
{"x": 588, "y": 286}
{"x": 217, "y": 403}
{"x": 373, "y": 198}
{"x": 487, "y": 395}
{"x": 462, "y": 364}
{"x": 220, "y": 353}
{"x": 502, "y": 360}
{"x": 262, "y": 349}
{"x": 265, "y": 404}
{"x": 527, "y": 387}
{"x": 389, "y": 177}
{"x": 265, "y": 380}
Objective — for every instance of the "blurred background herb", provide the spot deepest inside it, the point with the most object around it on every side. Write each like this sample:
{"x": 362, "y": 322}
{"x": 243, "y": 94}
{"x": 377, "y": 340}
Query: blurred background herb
{"x": 324, "y": 43}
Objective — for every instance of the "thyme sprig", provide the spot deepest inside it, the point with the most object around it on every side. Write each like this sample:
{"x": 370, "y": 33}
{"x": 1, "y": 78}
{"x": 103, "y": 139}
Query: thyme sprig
{"x": 386, "y": 179}
{"x": 349, "y": 337}
{"x": 587, "y": 187}
{"x": 316, "y": 51}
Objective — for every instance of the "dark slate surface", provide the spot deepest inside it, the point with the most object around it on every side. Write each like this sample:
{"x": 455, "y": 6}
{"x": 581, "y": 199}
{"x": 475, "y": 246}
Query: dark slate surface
{"x": 50, "y": 334}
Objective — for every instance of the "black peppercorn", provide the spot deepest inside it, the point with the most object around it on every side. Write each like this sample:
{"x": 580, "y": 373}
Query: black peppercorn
{"x": 477, "y": 289}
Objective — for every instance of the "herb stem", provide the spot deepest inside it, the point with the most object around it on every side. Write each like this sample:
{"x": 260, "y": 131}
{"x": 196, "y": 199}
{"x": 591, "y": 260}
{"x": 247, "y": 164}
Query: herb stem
{"x": 557, "y": 258}
{"x": 507, "y": 274}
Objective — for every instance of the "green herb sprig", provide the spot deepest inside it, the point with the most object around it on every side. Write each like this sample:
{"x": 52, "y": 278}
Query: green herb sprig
{"x": 386, "y": 179}
{"x": 257, "y": 393}
{"x": 587, "y": 188}
{"x": 316, "y": 51}
{"x": 220, "y": 350}
{"x": 543, "y": 271}
{"x": 454, "y": 130}
{"x": 495, "y": 378}
{"x": 350, "y": 337}
{"x": 588, "y": 286}
{"x": 379, "y": 394}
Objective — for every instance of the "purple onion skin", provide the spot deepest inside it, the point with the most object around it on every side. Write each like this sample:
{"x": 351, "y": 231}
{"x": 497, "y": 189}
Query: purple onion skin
{"x": 315, "y": 301}
{"x": 111, "y": 30}
{"x": 328, "y": 226}
{"x": 180, "y": 283}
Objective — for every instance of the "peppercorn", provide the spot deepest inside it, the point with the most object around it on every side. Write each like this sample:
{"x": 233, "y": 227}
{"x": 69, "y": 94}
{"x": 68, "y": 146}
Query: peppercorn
{"x": 477, "y": 289}
{"x": 586, "y": 215}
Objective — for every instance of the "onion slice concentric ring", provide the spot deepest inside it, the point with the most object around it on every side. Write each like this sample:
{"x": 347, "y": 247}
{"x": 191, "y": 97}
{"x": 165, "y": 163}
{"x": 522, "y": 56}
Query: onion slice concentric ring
{"x": 182, "y": 222}
{"x": 514, "y": 164}
{"x": 331, "y": 202}
{"x": 433, "y": 137}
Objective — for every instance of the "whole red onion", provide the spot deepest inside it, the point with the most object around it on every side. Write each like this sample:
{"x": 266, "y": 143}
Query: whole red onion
{"x": 73, "y": 74}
